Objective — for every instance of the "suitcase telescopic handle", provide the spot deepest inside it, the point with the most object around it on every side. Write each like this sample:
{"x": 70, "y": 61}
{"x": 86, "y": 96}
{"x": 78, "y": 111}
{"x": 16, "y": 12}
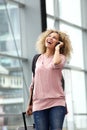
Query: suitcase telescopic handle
{"x": 24, "y": 120}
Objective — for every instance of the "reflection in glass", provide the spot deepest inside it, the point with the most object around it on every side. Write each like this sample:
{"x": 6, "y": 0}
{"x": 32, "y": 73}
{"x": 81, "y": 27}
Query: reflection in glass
{"x": 11, "y": 85}
{"x": 9, "y": 29}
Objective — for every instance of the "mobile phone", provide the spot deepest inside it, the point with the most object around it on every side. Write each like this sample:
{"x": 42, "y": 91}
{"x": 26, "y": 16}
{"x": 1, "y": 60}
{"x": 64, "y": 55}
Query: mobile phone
{"x": 57, "y": 43}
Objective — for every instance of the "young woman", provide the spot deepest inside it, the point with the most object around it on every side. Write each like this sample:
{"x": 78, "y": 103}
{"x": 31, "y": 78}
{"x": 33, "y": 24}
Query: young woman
{"x": 48, "y": 99}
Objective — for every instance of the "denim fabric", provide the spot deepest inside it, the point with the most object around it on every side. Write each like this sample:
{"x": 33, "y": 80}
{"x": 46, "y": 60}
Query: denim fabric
{"x": 50, "y": 119}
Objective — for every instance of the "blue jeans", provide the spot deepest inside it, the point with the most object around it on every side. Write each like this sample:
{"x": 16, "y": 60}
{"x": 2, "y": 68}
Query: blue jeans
{"x": 50, "y": 119}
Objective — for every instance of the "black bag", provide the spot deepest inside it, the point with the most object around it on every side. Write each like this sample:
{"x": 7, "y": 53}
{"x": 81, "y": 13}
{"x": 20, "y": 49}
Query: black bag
{"x": 34, "y": 65}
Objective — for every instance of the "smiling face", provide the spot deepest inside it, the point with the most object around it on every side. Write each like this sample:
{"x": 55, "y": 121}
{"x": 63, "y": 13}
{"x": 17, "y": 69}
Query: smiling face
{"x": 51, "y": 40}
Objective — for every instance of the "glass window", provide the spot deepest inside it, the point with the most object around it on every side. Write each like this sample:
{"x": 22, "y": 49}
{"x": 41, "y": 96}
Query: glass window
{"x": 10, "y": 91}
{"x": 76, "y": 41}
{"x": 11, "y": 94}
{"x": 80, "y": 122}
{"x": 68, "y": 92}
{"x": 50, "y": 23}
{"x": 70, "y": 10}
{"x": 79, "y": 92}
{"x": 75, "y": 96}
{"x": 10, "y": 29}
{"x": 50, "y": 9}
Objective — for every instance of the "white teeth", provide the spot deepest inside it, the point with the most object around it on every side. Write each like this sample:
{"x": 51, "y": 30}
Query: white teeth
{"x": 49, "y": 42}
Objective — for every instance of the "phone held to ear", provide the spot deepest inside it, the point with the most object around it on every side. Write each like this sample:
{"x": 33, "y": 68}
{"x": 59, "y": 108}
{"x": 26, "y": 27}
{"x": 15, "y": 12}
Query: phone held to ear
{"x": 57, "y": 43}
{"x": 61, "y": 49}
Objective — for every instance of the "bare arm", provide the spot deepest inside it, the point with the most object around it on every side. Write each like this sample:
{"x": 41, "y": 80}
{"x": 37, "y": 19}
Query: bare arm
{"x": 57, "y": 57}
{"x": 29, "y": 108}
{"x": 31, "y": 95}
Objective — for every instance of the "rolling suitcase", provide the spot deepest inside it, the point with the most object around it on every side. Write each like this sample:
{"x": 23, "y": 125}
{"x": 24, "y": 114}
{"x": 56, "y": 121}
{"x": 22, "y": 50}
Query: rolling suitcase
{"x": 25, "y": 127}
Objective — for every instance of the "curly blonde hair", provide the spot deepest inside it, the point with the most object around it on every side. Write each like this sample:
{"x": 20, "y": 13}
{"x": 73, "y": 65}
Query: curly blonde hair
{"x": 66, "y": 50}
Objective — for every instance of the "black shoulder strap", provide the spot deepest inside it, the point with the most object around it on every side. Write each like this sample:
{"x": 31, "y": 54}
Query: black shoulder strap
{"x": 34, "y": 63}
{"x": 63, "y": 82}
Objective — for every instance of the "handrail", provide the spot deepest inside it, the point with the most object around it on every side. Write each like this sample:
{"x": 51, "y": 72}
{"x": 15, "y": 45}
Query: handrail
{"x": 70, "y": 67}
{"x": 10, "y": 114}
{"x": 14, "y": 57}
{"x": 80, "y": 114}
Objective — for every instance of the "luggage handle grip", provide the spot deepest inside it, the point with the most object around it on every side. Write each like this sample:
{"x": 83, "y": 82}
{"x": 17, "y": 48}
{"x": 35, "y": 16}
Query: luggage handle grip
{"x": 23, "y": 114}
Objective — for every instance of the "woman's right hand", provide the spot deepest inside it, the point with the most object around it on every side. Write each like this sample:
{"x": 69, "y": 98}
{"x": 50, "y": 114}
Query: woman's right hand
{"x": 58, "y": 46}
{"x": 29, "y": 110}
